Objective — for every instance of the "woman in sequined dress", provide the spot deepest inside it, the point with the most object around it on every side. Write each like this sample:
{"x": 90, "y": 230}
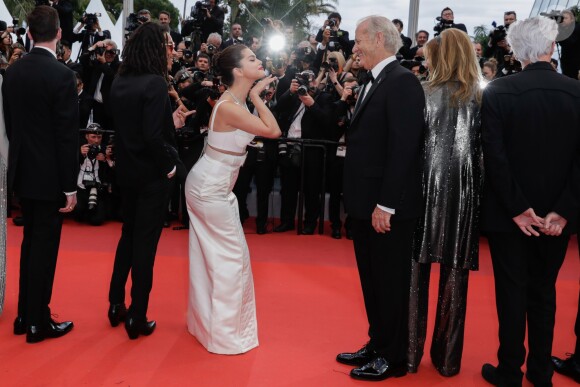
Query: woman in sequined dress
{"x": 3, "y": 166}
{"x": 452, "y": 180}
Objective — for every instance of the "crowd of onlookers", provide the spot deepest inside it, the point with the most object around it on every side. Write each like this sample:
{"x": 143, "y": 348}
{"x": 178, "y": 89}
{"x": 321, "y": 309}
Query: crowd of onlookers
{"x": 318, "y": 79}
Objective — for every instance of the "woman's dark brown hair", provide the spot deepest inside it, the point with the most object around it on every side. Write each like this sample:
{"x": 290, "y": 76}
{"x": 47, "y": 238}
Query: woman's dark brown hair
{"x": 226, "y": 61}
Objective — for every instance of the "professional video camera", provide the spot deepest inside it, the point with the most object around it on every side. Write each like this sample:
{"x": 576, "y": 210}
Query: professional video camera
{"x": 442, "y": 25}
{"x": 498, "y": 33}
{"x": 132, "y": 22}
{"x": 199, "y": 11}
{"x": 89, "y": 20}
{"x": 557, "y": 16}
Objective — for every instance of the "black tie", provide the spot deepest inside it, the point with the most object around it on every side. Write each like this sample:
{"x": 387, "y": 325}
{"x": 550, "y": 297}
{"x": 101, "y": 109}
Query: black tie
{"x": 370, "y": 77}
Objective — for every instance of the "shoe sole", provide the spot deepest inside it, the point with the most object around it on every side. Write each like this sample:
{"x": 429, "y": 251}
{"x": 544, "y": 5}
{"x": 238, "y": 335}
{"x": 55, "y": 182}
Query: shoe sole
{"x": 371, "y": 379}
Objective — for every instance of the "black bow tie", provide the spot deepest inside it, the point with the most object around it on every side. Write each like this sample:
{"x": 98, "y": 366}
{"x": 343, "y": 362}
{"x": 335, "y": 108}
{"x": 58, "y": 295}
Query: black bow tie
{"x": 370, "y": 77}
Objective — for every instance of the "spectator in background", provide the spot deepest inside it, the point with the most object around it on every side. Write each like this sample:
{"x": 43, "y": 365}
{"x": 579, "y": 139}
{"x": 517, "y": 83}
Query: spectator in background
{"x": 405, "y": 51}
{"x": 489, "y": 70}
{"x": 421, "y": 37}
{"x": 89, "y": 32}
{"x": 509, "y": 17}
{"x": 331, "y": 36}
{"x": 235, "y": 36}
{"x": 570, "y": 59}
{"x": 165, "y": 19}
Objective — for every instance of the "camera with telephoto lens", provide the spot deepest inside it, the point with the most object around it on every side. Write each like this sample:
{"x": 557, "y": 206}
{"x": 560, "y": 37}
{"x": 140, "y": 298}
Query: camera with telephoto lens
{"x": 351, "y": 99}
{"x": 332, "y": 22}
{"x": 303, "y": 79}
{"x": 331, "y": 64}
{"x": 94, "y": 150}
{"x": 187, "y": 54}
{"x": 442, "y": 25}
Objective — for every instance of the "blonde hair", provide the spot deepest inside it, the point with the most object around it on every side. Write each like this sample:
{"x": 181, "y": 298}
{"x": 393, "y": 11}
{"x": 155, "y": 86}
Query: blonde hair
{"x": 339, "y": 59}
{"x": 452, "y": 59}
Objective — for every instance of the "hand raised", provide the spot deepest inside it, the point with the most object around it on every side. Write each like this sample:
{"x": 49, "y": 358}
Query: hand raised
{"x": 261, "y": 85}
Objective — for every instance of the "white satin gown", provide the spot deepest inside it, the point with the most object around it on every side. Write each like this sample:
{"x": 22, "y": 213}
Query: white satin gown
{"x": 221, "y": 311}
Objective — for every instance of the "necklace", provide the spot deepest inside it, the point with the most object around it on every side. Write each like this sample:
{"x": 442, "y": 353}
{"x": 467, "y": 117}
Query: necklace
{"x": 236, "y": 100}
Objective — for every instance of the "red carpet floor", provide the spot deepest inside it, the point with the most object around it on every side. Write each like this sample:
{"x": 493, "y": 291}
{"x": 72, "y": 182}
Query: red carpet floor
{"x": 309, "y": 308}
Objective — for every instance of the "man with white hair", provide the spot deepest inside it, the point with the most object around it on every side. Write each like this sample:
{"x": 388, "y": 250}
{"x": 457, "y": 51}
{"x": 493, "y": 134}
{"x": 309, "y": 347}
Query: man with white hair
{"x": 383, "y": 195}
{"x": 530, "y": 203}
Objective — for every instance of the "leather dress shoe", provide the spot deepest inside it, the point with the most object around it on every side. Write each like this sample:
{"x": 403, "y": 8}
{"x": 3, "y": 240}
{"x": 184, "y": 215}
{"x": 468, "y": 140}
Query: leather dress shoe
{"x": 308, "y": 230}
{"x": 569, "y": 367}
{"x": 283, "y": 227}
{"x": 336, "y": 234}
{"x": 379, "y": 369}
{"x": 18, "y": 221}
{"x": 136, "y": 327}
{"x": 117, "y": 314}
{"x": 358, "y": 358}
{"x": 51, "y": 330}
{"x": 261, "y": 229}
{"x": 349, "y": 234}
{"x": 490, "y": 374}
{"x": 19, "y": 326}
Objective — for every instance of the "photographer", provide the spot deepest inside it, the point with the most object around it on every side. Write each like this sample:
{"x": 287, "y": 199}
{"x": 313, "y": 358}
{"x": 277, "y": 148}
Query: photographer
{"x": 306, "y": 113}
{"x": 260, "y": 165}
{"x": 206, "y": 17}
{"x": 235, "y": 36}
{"x": 344, "y": 109}
{"x": 331, "y": 75}
{"x": 93, "y": 180}
{"x": 405, "y": 50}
{"x": 498, "y": 47}
{"x": 570, "y": 57}
{"x": 285, "y": 75}
{"x": 331, "y": 37}
{"x": 182, "y": 58}
{"x": 89, "y": 32}
{"x": 446, "y": 21}
{"x": 100, "y": 65}
{"x": 212, "y": 45}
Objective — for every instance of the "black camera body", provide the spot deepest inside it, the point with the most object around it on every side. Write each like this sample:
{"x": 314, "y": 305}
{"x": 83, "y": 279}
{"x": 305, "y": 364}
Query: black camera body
{"x": 198, "y": 12}
{"x": 304, "y": 82}
{"x": 211, "y": 49}
{"x": 94, "y": 150}
{"x": 332, "y": 22}
{"x": 331, "y": 64}
{"x": 442, "y": 25}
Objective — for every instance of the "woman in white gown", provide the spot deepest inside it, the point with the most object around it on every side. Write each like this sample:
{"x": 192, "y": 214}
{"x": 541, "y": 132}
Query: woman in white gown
{"x": 3, "y": 166}
{"x": 221, "y": 309}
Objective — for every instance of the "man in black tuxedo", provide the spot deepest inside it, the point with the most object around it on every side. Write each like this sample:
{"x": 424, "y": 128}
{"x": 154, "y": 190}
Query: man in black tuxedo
{"x": 43, "y": 163}
{"x": 383, "y": 196}
{"x": 530, "y": 199}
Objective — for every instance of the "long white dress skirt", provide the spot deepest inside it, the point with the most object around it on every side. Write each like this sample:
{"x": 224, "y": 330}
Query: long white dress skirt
{"x": 221, "y": 309}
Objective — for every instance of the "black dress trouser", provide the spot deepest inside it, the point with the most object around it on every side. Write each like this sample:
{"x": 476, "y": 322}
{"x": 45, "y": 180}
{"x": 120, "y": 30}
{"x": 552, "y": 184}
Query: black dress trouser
{"x": 525, "y": 271}
{"x": 144, "y": 209}
{"x": 38, "y": 255}
{"x": 384, "y": 266}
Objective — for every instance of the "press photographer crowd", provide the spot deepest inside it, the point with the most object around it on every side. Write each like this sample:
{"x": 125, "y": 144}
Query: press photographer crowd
{"x": 318, "y": 80}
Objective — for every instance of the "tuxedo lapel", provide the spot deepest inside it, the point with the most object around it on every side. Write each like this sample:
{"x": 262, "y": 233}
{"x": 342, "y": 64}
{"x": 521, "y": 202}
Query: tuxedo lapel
{"x": 383, "y": 74}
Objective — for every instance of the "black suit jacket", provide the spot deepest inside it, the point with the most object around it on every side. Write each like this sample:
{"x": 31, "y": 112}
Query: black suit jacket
{"x": 43, "y": 134}
{"x": 531, "y": 147}
{"x": 318, "y": 120}
{"x": 382, "y": 164}
{"x": 142, "y": 116}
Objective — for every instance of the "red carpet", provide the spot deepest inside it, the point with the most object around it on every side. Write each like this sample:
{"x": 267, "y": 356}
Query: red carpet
{"x": 309, "y": 309}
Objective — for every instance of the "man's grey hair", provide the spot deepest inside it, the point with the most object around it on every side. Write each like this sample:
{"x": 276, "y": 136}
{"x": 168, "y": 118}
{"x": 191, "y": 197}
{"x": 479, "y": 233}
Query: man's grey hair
{"x": 109, "y": 42}
{"x": 532, "y": 38}
{"x": 376, "y": 24}
{"x": 214, "y": 36}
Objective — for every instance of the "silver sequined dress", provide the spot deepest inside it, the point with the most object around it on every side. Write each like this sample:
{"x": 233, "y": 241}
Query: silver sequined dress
{"x": 448, "y": 233}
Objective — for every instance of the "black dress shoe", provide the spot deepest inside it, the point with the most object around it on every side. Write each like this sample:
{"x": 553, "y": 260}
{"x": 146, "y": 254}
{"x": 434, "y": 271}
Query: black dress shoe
{"x": 490, "y": 374}
{"x": 136, "y": 327}
{"x": 283, "y": 227}
{"x": 166, "y": 224}
{"x": 358, "y": 358}
{"x": 569, "y": 367}
{"x": 348, "y": 234}
{"x": 18, "y": 221}
{"x": 19, "y": 326}
{"x": 379, "y": 369}
{"x": 117, "y": 314}
{"x": 260, "y": 229}
{"x": 308, "y": 230}
{"x": 336, "y": 234}
{"x": 51, "y": 330}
